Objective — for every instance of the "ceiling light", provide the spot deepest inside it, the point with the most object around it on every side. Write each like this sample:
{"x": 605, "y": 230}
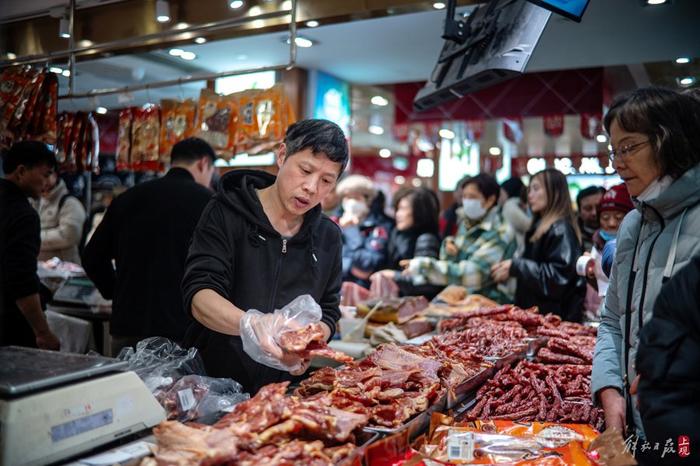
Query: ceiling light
{"x": 188, "y": 56}
{"x": 301, "y": 41}
{"x": 162, "y": 11}
{"x": 236, "y": 4}
{"x": 175, "y": 52}
{"x": 286, "y": 5}
{"x": 446, "y": 133}
{"x": 656, "y": 2}
{"x": 495, "y": 150}
{"x": 200, "y": 40}
{"x": 384, "y": 153}
{"x": 425, "y": 168}
{"x": 11, "y": 56}
{"x": 258, "y": 23}
{"x": 438, "y": 5}
{"x": 686, "y": 81}
{"x": 416, "y": 182}
{"x": 398, "y": 179}
{"x": 378, "y": 130}
{"x": 682, "y": 60}
{"x": 56, "y": 69}
{"x": 601, "y": 138}
{"x": 101, "y": 110}
{"x": 64, "y": 27}
{"x": 66, "y": 73}
{"x": 181, "y": 26}
{"x": 312, "y": 24}
{"x": 255, "y": 11}
{"x": 379, "y": 101}
{"x": 85, "y": 43}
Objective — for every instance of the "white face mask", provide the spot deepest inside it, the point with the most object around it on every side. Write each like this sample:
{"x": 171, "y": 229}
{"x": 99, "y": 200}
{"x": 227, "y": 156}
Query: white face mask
{"x": 473, "y": 209}
{"x": 354, "y": 207}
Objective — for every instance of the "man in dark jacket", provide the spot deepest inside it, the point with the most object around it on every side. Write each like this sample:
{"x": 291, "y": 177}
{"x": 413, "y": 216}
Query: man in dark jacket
{"x": 668, "y": 364}
{"x": 587, "y": 202}
{"x": 28, "y": 167}
{"x": 147, "y": 231}
{"x": 261, "y": 243}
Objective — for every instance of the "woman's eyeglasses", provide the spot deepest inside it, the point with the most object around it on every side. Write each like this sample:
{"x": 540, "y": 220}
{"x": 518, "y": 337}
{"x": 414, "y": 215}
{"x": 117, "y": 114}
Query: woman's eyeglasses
{"x": 625, "y": 151}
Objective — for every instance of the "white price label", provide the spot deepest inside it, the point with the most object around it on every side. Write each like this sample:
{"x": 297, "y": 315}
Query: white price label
{"x": 460, "y": 445}
{"x": 187, "y": 399}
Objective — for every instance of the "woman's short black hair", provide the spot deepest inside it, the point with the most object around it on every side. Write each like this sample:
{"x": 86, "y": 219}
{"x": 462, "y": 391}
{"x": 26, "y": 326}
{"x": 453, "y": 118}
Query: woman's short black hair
{"x": 485, "y": 183}
{"x": 670, "y": 120}
{"x": 425, "y": 207}
{"x": 321, "y": 136}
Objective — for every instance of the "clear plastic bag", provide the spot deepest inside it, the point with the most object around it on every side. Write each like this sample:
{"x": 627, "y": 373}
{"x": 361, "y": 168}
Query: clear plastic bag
{"x": 195, "y": 396}
{"x": 160, "y": 362}
{"x": 260, "y": 331}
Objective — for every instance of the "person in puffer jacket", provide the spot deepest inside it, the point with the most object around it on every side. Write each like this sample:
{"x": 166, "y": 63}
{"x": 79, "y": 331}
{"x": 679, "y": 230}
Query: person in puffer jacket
{"x": 62, "y": 220}
{"x": 655, "y": 139}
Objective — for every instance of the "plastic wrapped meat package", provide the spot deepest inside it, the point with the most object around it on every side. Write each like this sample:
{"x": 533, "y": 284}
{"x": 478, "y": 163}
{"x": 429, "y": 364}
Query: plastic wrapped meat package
{"x": 145, "y": 131}
{"x": 124, "y": 140}
{"x": 215, "y": 115}
{"x": 263, "y": 117}
{"x": 177, "y": 379}
{"x": 177, "y": 123}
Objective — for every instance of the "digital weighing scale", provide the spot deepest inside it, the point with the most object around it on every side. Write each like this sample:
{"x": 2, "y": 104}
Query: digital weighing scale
{"x": 57, "y": 405}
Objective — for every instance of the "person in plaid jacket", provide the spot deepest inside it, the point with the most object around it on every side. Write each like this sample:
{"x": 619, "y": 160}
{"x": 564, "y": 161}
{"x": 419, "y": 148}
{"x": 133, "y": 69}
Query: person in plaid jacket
{"x": 483, "y": 239}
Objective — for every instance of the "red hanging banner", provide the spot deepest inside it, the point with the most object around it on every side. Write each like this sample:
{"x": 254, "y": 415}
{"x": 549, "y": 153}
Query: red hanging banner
{"x": 475, "y": 129}
{"x": 591, "y": 125}
{"x": 554, "y": 125}
{"x": 513, "y": 129}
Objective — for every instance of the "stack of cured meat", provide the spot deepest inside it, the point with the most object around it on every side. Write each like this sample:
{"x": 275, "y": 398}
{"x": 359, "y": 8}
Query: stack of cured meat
{"x": 270, "y": 428}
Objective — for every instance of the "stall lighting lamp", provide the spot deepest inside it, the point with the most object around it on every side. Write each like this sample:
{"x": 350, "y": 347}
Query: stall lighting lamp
{"x": 286, "y": 5}
{"x": 188, "y": 56}
{"x": 64, "y": 28}
{"x": 55, "y": 69}
{"x": 236, "y": 4}
{"x": 446, "y": 133}
{"x": 495, "y": 150}
{"x": 11, "y": 56}
{"x": 398, "y": 179}
{"x": 682, "y": 60}
{"x": 101, "y": 110}
{"x": 312, "y": 24}
{"x": 66, "y": 73}
{"x": 656, "y": 2}
{"x": 301, "y": 41}
{"x": 162, "y": 11}
{"x": 378, "y": 130}
{"x": 175, "y": 52}
{"x": 438, "y": 5}
{"x": 379, "y": 101}
{"x": 601, "y": 138}
{"x": 384, "y": 153}
{"x": 200, "y": 40}
{"x": 687, "y": 81}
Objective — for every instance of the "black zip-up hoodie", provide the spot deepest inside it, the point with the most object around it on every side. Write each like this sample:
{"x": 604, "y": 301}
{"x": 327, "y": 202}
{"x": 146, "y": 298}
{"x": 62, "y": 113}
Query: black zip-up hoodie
{"x": 236, "y": 252}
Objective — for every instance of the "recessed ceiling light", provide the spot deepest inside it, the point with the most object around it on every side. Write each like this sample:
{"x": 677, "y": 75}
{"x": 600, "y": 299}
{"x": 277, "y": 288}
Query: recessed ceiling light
{"x": 379, "y": 101}
{"x": 175, "y": 52}
{"x": 438, "y": 5}
{"x": 85, "y": 43}
{"x": 188, "y": 56}
{"x": 601, "y": 138}
{"x": 682, "y": 60}
{"x": 101, "y": 110}
{"x": 286, "y": 5}
{"x": 301, "y": 41}
{"x": 200, "y": 40}
{"x": 181, "y": 26}
{"x": 378, "y": 130}
{"x": 236, "y": 4}
{"x": 495, "y": 150}
{"x": 56, "y": 69}
{"x": 66, "y": 73}
{"x": 656, "y": 2}
{"x": 384, "y": 153}
{"x": 398, "y": 179}
{"x": 312, "y": 24}
{"x": 686, "y": 81}
{"x": 446, "y": 133}
{"x": 255, "y": 11}
{"x": 162, "y": 11}
{"x": 11, "y": 56}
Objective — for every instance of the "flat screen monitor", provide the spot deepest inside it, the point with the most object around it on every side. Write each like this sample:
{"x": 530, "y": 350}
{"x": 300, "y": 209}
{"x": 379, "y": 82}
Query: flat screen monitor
{"x": 572, "y": 9}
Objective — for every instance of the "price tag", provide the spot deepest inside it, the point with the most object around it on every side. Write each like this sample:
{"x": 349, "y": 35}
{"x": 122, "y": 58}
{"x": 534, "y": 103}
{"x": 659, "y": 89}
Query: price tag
{"x": 187, "y": 399}
{"x": 460, "y": 445}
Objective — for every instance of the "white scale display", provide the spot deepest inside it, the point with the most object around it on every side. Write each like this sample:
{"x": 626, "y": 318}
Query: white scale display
{"x": 56, "y": 405}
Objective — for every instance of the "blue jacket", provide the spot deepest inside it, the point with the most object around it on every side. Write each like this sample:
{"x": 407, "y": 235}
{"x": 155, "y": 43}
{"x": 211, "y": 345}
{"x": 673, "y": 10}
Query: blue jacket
{"x": 365, "y": 247}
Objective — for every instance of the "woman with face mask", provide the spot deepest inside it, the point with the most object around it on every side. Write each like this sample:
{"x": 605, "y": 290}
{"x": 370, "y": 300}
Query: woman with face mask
{"x": 655, "y": 140}
{"x": 482, "y": 240}
{"x": 546, "y": 273}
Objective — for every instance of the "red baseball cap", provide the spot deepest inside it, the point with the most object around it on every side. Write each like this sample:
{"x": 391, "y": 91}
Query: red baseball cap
{"x": 616, "y": 198}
